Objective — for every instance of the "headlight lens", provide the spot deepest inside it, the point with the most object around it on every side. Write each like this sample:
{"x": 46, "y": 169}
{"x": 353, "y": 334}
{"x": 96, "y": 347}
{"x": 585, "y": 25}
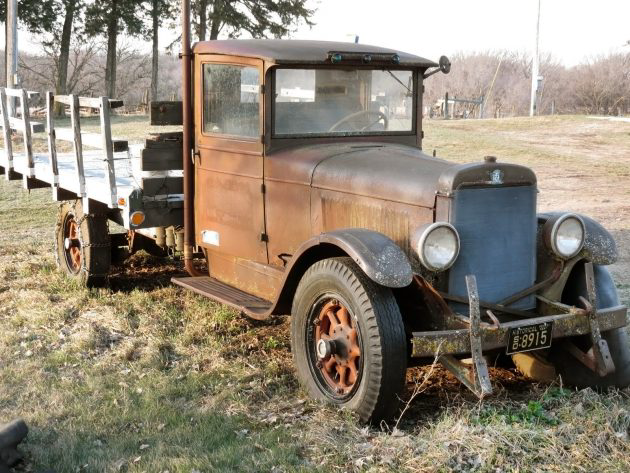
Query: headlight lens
{"x": 438, "y": 246}
{"x": 567, "y": 236}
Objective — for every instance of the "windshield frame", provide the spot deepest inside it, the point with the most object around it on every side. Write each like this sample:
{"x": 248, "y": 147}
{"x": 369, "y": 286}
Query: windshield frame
{"x": 415, "y": 96}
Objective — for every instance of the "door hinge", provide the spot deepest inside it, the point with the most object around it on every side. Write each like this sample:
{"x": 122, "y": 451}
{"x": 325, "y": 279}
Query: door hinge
{"x": 263, "y": 188}
{"x": 422, "y": 134}
{"x": 262, "y": 88}
{"x": 264, "y": 237}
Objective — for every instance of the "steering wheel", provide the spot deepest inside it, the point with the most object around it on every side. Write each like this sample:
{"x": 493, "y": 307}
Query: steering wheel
{"x": 349, "y": 118}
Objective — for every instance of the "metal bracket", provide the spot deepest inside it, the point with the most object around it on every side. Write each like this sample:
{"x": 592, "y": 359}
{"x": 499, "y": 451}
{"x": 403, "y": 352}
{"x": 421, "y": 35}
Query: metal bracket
{"x": 601, "y": 353}
{"x": 475, "y": 378}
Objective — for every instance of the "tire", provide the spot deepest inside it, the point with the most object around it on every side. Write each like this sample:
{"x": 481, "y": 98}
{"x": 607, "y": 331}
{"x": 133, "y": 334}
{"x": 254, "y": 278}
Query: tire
{"x": 566, "y": 365}
{"x": 82, "y": 245}
{"x": 369, "y": 381}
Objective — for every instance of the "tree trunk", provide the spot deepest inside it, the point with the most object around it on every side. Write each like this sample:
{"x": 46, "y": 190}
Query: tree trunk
{"x": 156, "y": 52}
{"x": 203, "y": 19}
{"x": 64, "y": 56}
{"x": 112, "y": 39}
{"x": 215, "y": 27}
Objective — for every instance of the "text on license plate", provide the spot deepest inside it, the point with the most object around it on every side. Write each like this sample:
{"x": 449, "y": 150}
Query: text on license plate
{"x": 529, "y": 337}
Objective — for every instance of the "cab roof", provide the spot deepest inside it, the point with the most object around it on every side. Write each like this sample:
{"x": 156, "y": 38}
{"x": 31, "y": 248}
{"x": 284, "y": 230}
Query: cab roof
{"x": 290, "y": 51}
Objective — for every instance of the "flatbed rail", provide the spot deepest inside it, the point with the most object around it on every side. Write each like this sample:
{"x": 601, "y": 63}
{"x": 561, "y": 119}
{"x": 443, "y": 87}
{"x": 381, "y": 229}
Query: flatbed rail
{"x": 101, "y": 170}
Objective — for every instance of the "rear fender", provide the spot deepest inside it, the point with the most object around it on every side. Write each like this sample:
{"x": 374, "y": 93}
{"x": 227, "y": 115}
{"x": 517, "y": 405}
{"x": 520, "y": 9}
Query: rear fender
{"x": 378, "y": 256}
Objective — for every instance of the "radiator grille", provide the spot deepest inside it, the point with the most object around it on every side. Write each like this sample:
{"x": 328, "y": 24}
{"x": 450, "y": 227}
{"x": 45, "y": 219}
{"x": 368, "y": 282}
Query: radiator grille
{"x": 497, "y": 227}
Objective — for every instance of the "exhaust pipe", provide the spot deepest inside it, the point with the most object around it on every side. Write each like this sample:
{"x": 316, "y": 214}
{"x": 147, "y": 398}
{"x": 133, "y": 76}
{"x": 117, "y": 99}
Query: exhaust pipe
{"x": 189, "y": 177}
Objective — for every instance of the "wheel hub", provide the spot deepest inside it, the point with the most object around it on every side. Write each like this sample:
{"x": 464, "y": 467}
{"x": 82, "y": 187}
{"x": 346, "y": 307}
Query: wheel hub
{"x": 337, "y": 347}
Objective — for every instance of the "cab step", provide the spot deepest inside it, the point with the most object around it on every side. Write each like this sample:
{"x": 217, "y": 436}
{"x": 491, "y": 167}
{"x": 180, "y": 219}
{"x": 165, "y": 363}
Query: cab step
{"x": 206, "y": 286}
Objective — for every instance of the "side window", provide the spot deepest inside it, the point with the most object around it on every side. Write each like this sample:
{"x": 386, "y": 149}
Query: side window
{"x": 231, "y": 100}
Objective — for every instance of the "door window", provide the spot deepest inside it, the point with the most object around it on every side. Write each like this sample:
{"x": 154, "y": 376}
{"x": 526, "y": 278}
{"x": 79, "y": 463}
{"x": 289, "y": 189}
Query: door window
{"x": 231, "y": 100}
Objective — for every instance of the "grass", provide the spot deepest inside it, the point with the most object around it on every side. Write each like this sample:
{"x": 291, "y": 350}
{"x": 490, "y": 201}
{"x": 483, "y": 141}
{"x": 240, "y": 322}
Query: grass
{"x": 144, "y": 377}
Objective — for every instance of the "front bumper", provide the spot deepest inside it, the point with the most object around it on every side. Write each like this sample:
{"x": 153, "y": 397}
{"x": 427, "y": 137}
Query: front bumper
{"x": 458, "y": 342}
{"x": 445, "y": 345}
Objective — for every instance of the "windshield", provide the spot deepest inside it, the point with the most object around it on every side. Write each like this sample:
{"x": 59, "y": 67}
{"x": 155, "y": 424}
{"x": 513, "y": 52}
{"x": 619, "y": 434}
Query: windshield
{"x": 333, "y": 102}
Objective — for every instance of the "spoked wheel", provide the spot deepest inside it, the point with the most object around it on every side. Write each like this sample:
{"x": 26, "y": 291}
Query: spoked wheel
{"x": 82, "y": 245}
{"x": 337, "y": 347}
{"x": 348, "y": 339}
{"x": 71, "y": 244}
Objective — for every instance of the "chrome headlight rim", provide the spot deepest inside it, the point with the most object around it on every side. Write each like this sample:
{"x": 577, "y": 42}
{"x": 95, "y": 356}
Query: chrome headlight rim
{"x": 423, "y": 233}
{"x": 552, "y": 235}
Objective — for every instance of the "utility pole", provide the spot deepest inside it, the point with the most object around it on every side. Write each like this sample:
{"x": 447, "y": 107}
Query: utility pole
{"x": 11, "y": 42}
{"x": 535, "y": 66}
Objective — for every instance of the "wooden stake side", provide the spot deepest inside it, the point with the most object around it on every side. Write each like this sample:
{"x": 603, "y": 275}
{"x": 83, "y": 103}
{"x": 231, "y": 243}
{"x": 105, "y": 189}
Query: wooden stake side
{"x": 108, "y": 148}
{"x": 27, "y": 134}
{"x": 6, "y": 131}
{"x": 75, "y": 119}
{"x": 52, "y": 144}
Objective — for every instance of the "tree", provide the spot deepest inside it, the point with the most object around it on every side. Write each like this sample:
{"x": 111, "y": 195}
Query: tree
{"x": 160, "y": 9}
{"x": 37, "y": 15}
{"x": 260, "y": 18}
{"x": 111, "y": 18}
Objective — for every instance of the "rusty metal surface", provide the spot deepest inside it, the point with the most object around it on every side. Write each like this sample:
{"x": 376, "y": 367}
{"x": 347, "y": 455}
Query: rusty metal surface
{"x": 457, "y": 342}
{"x": 481, "y": 174}
{"x": 603, "y": 360}
{"x": 481, "y": 378}
{"x": 253, "y": 306}
{"x": 300, "y": 51}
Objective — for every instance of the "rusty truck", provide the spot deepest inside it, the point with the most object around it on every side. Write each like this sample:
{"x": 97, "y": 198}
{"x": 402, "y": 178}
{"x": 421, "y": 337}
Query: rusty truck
{"x": 299, "y": 180}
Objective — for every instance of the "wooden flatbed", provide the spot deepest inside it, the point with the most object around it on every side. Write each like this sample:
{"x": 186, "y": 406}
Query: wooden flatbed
{"x": 112, "y": 174}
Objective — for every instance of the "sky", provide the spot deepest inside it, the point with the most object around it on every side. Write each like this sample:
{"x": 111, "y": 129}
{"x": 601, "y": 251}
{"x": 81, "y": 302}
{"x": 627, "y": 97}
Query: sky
{"x": 572, "y": 30}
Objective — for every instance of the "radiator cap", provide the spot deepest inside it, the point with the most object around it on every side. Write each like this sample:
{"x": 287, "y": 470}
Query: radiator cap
{"x": 490, "y": 159}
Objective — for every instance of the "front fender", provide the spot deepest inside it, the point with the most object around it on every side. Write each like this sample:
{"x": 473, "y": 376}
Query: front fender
{"x": 599, "y": 244}
{"x": 377, "y": 255}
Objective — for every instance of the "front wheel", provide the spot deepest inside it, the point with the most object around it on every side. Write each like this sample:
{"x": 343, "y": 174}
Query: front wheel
{"x": 348, "y": 339}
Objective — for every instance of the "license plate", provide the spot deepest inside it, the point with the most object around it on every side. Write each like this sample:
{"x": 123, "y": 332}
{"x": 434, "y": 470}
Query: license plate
{"x": 529, "y": 337}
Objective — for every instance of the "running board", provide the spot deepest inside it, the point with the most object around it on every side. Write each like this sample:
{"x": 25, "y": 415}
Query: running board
{"x": 252, "y": 306}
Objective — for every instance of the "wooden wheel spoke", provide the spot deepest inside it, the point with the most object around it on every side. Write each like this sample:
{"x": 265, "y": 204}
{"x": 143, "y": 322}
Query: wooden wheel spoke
{"x": 343, "y": 316}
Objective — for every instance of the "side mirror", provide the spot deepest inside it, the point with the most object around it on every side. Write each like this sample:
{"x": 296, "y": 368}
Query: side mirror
{"x": 445, "y": 65}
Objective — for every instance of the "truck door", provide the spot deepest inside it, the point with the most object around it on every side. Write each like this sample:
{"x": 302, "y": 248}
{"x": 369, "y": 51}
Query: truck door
{"x": 229, "y": 205}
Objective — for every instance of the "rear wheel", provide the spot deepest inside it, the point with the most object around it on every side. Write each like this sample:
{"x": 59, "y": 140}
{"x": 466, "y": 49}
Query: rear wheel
{"x": 82, "y": 245}
{"x": 348, "y": 339}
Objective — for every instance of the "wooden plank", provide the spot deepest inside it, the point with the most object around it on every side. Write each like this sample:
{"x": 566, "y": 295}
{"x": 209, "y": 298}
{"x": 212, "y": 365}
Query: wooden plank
{"x": 28, "y": 140}
{"x": 165, "y": 140}
{"x": 75, "y": 119}
{"x": 162, "y": 186}
{"x": 92, "y": 140}
{"x": 60, "y": 195}
{"x": 107, "y": 146}
{"x": 6, "y": 133}
{"x": 166, "y": 113}
{"x": 88, "y": 102}
{"x": 18, "y": 93}
{"x": 17, "y": 124}
{"x": 156, "y": 159}
{"x": 52, "y": 145}
{"x": 34, "y": 183}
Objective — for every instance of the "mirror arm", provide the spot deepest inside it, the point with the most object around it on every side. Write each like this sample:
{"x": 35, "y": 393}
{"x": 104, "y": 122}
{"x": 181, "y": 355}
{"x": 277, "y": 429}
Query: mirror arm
{"x": 430, "y": 73}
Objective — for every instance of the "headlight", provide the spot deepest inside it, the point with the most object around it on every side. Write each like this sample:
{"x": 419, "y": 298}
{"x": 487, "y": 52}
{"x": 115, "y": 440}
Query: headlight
{"x": 437, "y": 245}
{"x": 564, "y": 235}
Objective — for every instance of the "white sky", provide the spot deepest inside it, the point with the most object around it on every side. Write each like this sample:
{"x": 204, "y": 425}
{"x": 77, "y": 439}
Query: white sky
{"x": 572, "y": 30}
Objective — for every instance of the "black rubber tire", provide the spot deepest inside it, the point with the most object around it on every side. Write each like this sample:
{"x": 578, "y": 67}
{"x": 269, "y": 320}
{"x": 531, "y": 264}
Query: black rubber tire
{"x": 566, "y": 365}
{"x": 384, "y": 350}
{"x": 95, "y": 248}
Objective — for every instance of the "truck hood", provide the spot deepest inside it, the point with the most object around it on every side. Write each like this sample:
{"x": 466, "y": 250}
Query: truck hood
{"x": 386, "y": 171}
